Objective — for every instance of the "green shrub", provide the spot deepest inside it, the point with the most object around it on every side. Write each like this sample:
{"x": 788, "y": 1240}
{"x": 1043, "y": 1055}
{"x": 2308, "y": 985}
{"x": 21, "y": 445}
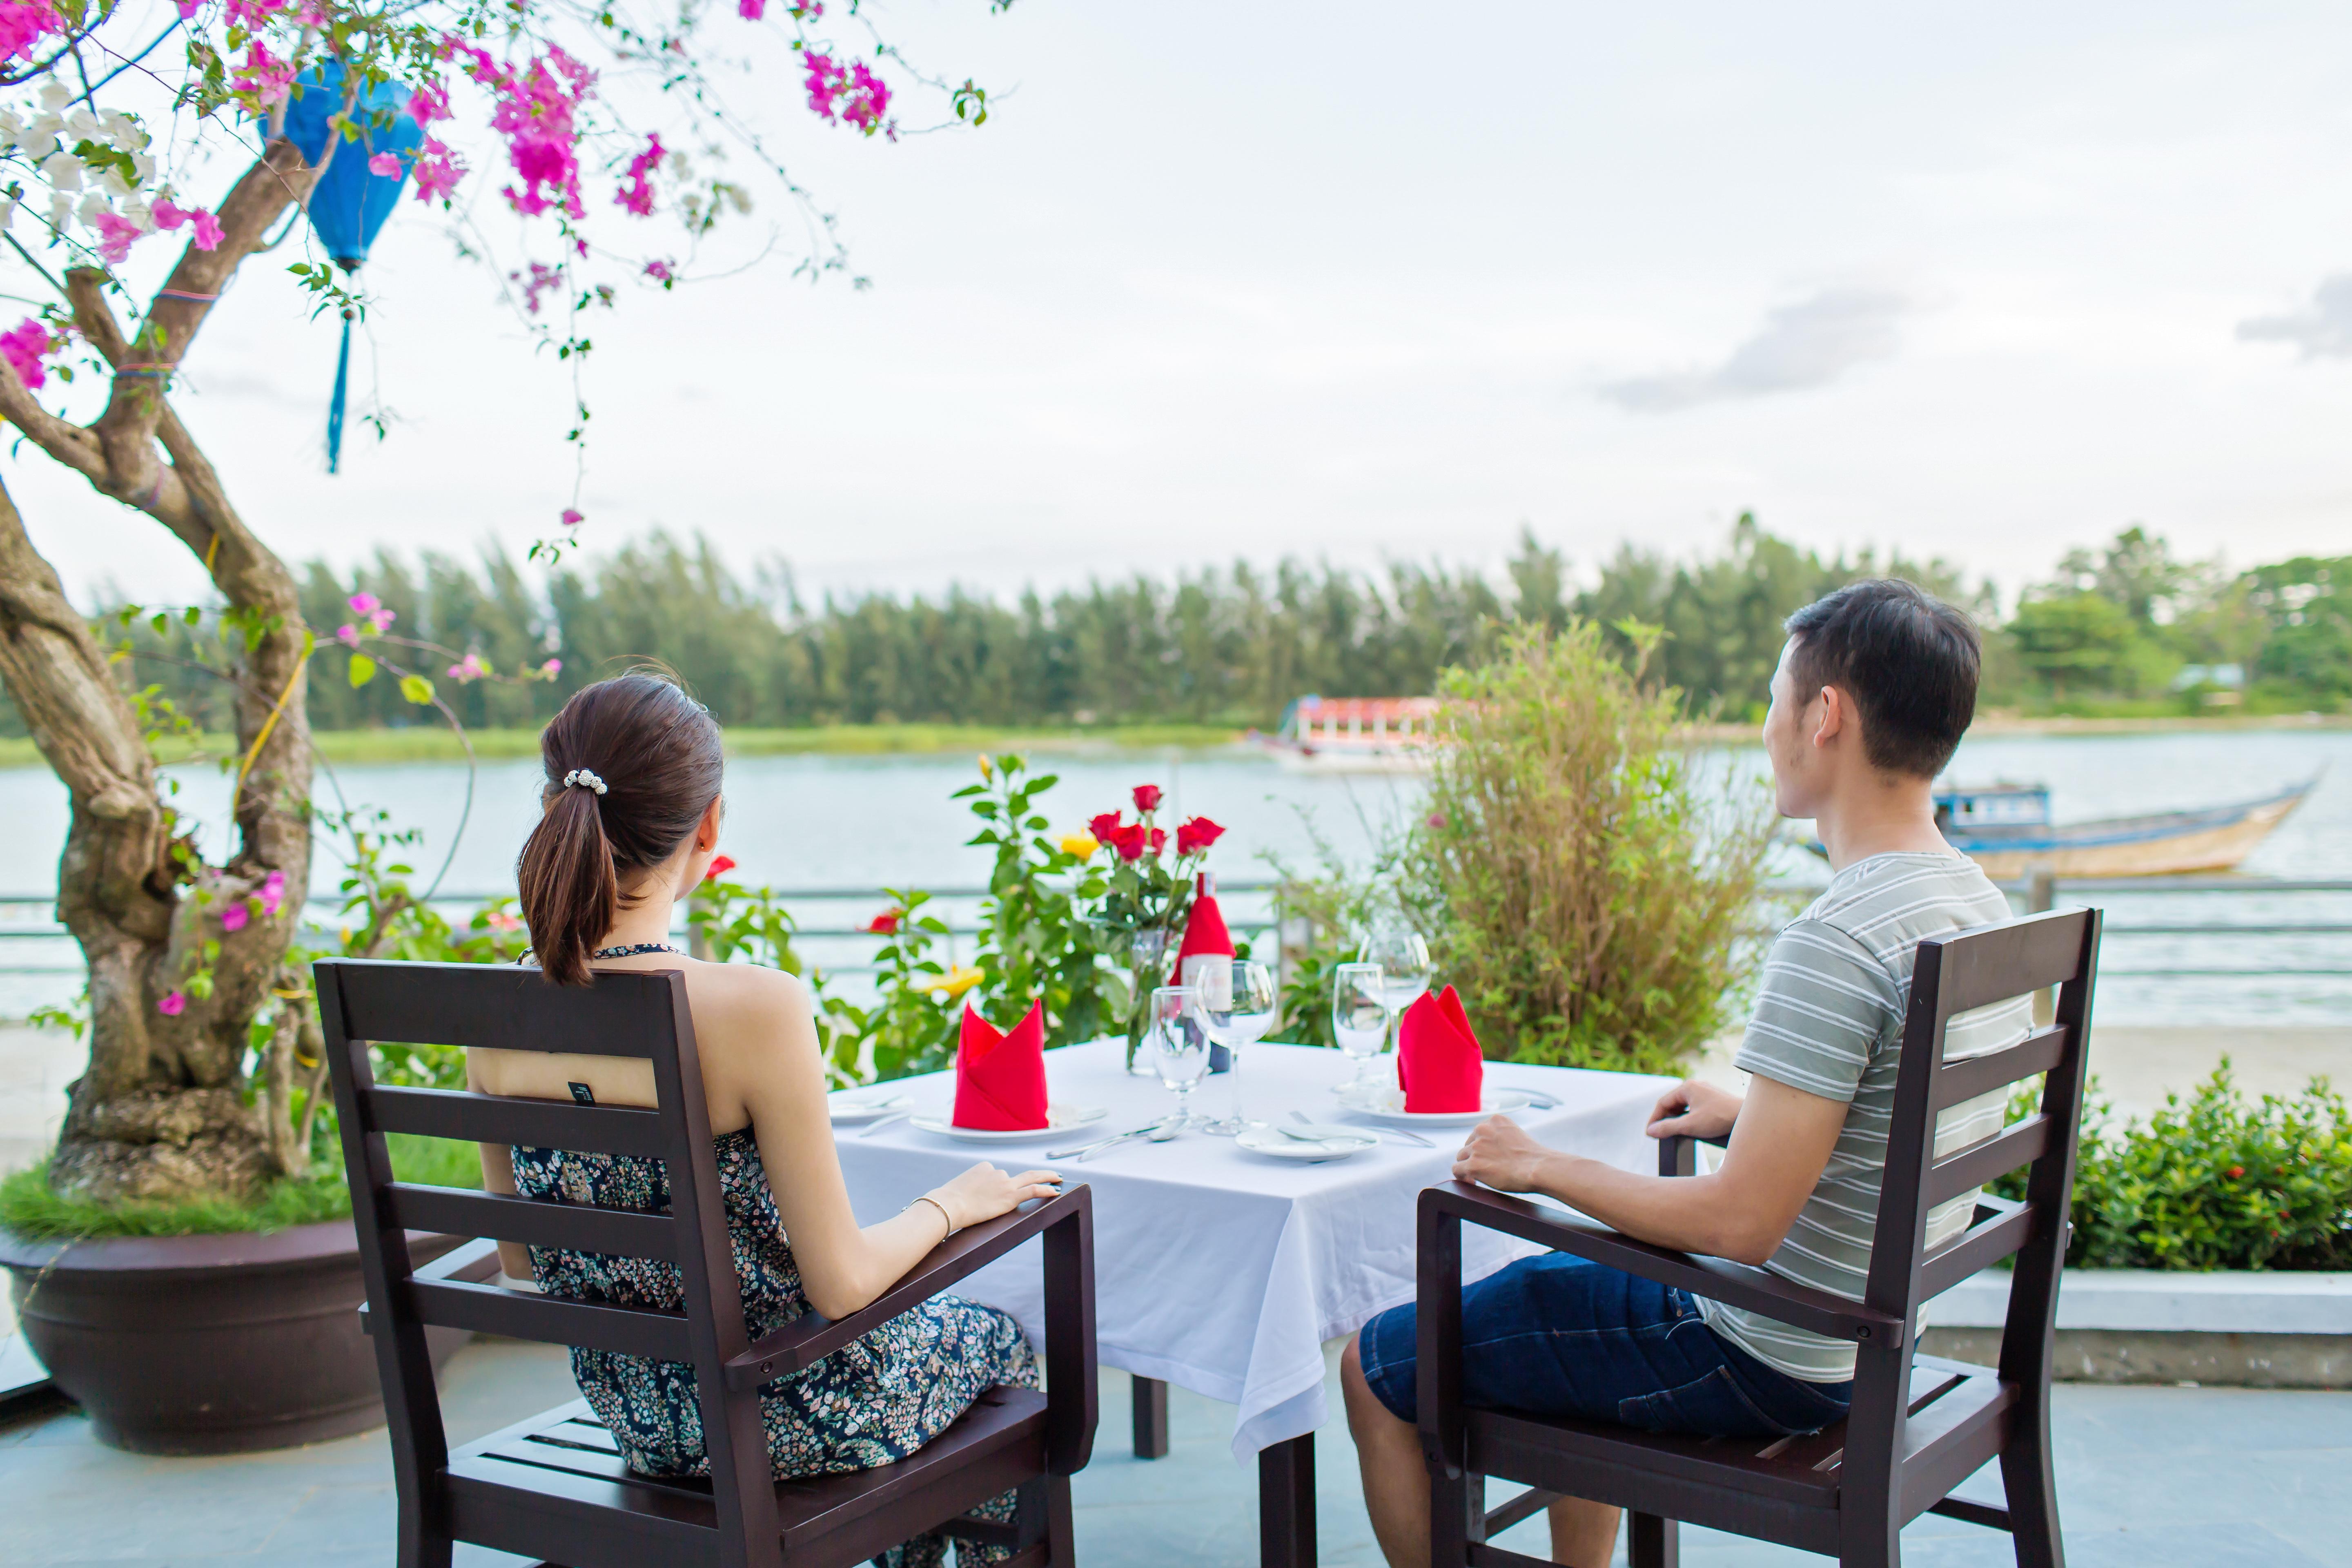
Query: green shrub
{"x": 2221, "y": 1181}
{"x": 28, "y": 1209}
{"x": 1581, "y": 881}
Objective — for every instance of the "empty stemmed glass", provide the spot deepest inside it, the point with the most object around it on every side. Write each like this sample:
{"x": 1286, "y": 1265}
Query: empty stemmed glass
{"x": 1234, "y": 1003}
{"x": 1180, "y": 1048}
{"x": 1404, "y": 959}
{"x": 1360, "y": 1016}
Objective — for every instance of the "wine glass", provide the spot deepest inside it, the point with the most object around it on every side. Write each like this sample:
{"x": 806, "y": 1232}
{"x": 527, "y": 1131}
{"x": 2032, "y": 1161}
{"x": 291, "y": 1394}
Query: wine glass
{"x": 1359, "y": 1014}
{"x": 1180, "y": 1048}
{"x": 1404, "y": 959}
{"x": 1233, "y": 1000}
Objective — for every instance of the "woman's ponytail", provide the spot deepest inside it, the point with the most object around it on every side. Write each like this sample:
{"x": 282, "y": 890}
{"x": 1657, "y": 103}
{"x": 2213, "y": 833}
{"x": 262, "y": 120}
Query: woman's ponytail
{"x": 570, "y": 889}
{"x": 631, "y": 764}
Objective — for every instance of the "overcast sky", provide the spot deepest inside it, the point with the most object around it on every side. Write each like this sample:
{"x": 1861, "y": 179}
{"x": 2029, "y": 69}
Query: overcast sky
{"x": 1368, "y": 281}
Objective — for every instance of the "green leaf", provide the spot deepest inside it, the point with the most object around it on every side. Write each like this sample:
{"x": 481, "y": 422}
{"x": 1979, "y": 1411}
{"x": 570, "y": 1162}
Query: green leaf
{"x": 418, "y": 690}
{"x": 161, "y": 621}
{"x": 362, "y": 670}
{"x": 192, "y": 615}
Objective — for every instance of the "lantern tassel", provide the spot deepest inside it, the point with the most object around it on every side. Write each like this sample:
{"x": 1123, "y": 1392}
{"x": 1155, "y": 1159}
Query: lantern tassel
{"x": 335, "y": 408}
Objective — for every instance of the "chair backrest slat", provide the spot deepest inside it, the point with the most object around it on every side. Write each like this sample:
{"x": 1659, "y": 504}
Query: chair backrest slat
{"x": 2021, "y": 1144}
{"x": 1993, "y": 963}
{"x": 551, "y": 1320}
{"x": 503, "y": 1119}
{"x": 1973, "y": 1076}
{"x": 505, "y": 1006}
{"x": 1980, "y": 1246}
{"x": 540, "y": 1222}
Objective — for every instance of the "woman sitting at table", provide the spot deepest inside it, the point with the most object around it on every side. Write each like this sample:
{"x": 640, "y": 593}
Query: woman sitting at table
{"x": 630, "y": 820}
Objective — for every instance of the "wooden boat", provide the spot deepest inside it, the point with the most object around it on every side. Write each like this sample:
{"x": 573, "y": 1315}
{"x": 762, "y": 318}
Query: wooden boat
{"x": 2007, "y": 829}
{"x": 1354, "y": 735}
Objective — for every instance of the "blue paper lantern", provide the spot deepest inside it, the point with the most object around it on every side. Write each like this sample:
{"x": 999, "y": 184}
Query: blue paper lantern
{"x": 350, "y": 202}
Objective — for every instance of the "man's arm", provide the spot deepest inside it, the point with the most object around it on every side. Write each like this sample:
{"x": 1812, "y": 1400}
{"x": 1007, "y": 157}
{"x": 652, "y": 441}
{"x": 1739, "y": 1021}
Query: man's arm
{"x": 1781, "y": 1139}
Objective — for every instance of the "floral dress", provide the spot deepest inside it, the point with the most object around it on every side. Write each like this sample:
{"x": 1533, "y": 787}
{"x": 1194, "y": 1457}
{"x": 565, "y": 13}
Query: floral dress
{"x": 874, "y": 1401}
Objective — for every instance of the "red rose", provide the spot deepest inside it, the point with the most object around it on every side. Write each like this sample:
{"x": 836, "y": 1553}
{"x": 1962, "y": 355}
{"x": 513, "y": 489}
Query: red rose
{"x": 1196, "y": 835}
{"x": 886, "y": 922}
{"x": 1159, "y": 841}
{"x": 1129, "y": 841}
{"x": 1104, "y": 827}
{"x": 2237, "y": 1170}
{"x": 719, "y": 866}
{"x": 1146, "y": 797}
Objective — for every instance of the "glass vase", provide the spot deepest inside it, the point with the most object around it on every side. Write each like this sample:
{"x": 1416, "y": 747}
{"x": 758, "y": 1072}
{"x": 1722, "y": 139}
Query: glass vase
{"x": 1147, "y": 966}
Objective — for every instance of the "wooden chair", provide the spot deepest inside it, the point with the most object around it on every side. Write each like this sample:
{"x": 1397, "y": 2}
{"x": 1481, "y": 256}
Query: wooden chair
{"x": 1919, "y": 1424}
{"x": 555, "y": 1486}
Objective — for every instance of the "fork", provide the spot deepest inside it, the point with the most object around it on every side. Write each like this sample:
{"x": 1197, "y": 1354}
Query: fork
{"x": 1301, "y": 1118}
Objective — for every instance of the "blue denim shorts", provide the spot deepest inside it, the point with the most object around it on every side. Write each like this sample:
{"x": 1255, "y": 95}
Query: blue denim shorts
{"x": 1558, "y": 1335}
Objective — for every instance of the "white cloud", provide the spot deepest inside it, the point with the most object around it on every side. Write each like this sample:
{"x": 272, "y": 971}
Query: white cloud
{"x": 2322, "y": 329}
{"x": 1810, "y": 343}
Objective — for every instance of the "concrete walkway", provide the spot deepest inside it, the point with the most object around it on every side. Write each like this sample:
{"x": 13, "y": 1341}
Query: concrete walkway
{"x": 2148, "y": 1478}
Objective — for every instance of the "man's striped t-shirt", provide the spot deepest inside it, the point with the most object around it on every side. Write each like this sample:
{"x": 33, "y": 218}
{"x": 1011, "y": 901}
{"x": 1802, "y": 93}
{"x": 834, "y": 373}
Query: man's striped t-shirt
{"x": 1829, "y": 1021}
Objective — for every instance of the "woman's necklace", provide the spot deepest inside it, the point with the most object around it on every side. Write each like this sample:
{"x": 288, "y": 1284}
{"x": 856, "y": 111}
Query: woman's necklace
{"x": 633, "y": 950}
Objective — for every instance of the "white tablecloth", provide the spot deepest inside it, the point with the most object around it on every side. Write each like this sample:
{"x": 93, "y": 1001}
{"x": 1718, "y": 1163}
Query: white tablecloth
{"x": 1224, "y": 1271}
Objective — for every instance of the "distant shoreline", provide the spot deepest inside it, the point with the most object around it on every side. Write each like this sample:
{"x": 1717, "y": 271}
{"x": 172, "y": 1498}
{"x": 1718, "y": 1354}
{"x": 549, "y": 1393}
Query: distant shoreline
{"x": 421, "y": 744}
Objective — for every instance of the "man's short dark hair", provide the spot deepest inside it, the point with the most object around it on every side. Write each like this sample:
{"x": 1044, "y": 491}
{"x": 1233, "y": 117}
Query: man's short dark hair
{"x": 1908, "y": 661}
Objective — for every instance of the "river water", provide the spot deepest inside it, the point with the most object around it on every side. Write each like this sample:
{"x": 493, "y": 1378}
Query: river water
{"x": 860, "y": 824}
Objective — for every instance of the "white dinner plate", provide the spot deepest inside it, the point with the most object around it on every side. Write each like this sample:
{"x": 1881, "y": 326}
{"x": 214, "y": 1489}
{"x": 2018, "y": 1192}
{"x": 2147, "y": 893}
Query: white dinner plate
{"x": 1385, "y": 1102}
{"x": 1058, "y": 1119}
{"x": 1334, "y": 1141}
{"x": 851, "y": 1106}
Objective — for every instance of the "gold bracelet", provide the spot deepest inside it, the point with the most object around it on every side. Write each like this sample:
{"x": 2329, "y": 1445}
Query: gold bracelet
{"x": 934, "y": 1203}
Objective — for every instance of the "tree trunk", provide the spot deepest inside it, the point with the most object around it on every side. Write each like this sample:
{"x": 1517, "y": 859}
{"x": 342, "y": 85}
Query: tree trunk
{"x": 163, "y": 1111}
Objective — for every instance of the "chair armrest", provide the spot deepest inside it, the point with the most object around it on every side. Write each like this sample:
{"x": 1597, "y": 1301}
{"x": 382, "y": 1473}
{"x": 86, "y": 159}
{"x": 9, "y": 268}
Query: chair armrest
{"x": 811, "y": 1337}
{"x": 475, "y": 1262}
{"x": 1716, "y": 1279}
{"x": 1679, "y": 1153}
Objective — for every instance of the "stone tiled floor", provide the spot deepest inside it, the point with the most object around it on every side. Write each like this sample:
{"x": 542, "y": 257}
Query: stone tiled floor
{"x": 2149, "y": 1478}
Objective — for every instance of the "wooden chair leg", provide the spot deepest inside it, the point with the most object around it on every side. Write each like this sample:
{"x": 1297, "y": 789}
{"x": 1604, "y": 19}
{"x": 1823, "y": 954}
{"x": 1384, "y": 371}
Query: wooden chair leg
{"x": 1651, "y": 1541}
{"x": 2026, "y": 1476}
{"x": 1062, "y": 1550}
{"x": 420, "y": 1548}
{"x": 1457, "y": 1518}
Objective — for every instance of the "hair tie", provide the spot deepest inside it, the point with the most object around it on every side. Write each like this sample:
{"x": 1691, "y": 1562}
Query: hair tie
{"x": 583, "y": 779}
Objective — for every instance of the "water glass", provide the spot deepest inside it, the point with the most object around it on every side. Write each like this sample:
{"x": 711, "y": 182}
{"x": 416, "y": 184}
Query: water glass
{"x": 1180, "y": 1046}
{"x": 1359, "y": 1014}
{"x": 1403, "y": 959}
{"x": 1233, "y": 1000}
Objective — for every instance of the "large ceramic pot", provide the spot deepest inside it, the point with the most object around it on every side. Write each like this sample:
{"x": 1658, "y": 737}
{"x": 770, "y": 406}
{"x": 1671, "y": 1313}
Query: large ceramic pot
{"x": 208, "y": 1344}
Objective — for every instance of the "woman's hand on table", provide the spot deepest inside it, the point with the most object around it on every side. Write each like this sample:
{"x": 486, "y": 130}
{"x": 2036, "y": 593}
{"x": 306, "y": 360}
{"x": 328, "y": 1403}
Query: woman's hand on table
{"x": 1694, "y": 1109}
{"x": 1501, "y": 1155}
{"x": 985, "y": 1191}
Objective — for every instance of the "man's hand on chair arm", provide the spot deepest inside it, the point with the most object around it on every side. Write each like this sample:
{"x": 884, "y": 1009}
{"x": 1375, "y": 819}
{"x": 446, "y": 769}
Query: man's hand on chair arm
{"x": 1781, "y": 1139}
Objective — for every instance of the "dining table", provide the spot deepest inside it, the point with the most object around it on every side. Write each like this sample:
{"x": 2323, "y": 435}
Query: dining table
{"x": 1226, "y": 1272}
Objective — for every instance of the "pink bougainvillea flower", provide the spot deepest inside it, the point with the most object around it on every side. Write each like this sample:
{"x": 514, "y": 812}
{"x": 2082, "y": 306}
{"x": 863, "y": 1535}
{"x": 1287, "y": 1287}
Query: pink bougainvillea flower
{"x": 234, "y": 917}
{"x": 272, "y": 893}
{"x": 537, "y": 110}
{"x": 251, "y": 14}
{"x": 382, "y": 620}
{"x": 207, "y": 229}
{"x": 263, "y": 77}
{"x": 387, "y": 165}
{"x": 348, "y": 635}
{"x": 719, "y": 866}
{"x": 23, "y": 347}
{"x": 23, "y": 24}
{"x": 364, "y": 604}
{"x": 553, "y": 668}
{"x": 499, "y": 920}
{"x": 190, "y": 7}
{"x": 536, "y": 282}
{"x": 438, "y": 170}
{"x": 116, "y": 236}
{"x": 429, "y": 101}
{"x": 573, "y": 517}
{"x": 660, "y": 272}
{"x": 473, "y": 667}
{"x": 1146, "y": 797}
{"x": 751, "y": 10}
{"x": 637, "y": 196}
{"x": 173, "y": 1004}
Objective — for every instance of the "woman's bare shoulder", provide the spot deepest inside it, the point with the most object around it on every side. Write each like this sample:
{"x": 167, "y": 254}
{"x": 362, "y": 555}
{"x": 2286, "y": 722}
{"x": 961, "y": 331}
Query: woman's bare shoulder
{"x": 747, "y": 993}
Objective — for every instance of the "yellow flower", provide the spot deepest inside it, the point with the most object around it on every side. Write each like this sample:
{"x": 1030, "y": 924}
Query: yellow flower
{"x": 987, "y": 768}
{"x": 956, "y": 981}
{"x": 1079, "y": 845}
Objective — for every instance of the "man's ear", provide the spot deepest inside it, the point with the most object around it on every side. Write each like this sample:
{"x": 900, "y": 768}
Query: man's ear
{"x": 1834, "y": 720}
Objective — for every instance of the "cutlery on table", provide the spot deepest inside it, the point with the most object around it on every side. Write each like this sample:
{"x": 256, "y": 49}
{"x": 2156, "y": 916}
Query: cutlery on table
{"x": 1302, "y": 1118}
{"x": 871, "y": 1128}
{"x": 1087, "y": 1151}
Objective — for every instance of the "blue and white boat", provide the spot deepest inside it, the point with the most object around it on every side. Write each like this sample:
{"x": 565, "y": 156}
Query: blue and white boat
{"x": 2008, "y": 829}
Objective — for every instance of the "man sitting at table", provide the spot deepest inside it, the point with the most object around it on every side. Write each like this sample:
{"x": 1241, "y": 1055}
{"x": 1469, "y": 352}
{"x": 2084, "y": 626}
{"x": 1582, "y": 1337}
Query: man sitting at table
{"x": 1875, "y": 685}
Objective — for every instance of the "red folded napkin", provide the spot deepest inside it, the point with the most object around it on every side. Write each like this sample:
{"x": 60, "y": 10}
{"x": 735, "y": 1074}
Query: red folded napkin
{"x": 1205, "y": 929}
{"x": 1000, "y": 1077}
{"x": 1439, "y": 1065}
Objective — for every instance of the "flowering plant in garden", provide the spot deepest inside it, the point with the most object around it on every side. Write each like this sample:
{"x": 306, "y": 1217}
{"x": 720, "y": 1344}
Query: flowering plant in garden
{"x": 146, "y": 153}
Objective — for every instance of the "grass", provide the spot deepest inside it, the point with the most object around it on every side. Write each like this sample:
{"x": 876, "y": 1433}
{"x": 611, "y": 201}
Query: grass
{"x": 427, "y": 744}
{"x": 28, "y": 1209}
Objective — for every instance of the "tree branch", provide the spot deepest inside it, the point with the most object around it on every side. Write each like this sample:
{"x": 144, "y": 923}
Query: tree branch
{"x": 63, "y": 439}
